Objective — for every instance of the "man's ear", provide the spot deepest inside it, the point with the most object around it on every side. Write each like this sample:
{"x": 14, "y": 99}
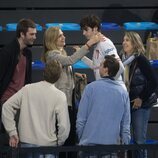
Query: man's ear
{"x": 106, "y": 70}
{"x": 22, "y": 34}
{"x": 95, "y": 29}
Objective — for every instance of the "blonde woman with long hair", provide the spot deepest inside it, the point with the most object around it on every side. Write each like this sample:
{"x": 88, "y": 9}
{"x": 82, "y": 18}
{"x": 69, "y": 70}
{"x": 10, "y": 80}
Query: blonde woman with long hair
{"x": 54, "y": 42}
{"x": 141, "y": 83}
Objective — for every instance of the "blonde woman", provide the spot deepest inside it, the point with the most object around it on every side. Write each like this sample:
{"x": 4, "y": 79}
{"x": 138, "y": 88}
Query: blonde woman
{"x": 54, "y": 42}
{"x": 141, "y": 83}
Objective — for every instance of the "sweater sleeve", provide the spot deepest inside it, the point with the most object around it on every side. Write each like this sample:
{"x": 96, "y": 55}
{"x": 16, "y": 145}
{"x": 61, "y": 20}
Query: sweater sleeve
{"x": 88, "y": 61}
{"x": 63, "y": 122}
{"x": 67, "y": 60}
{"x": 9, "y": 110}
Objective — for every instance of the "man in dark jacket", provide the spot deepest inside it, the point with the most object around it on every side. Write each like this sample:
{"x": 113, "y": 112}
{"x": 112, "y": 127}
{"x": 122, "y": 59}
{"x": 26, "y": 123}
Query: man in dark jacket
{"x": 16, "y": 60}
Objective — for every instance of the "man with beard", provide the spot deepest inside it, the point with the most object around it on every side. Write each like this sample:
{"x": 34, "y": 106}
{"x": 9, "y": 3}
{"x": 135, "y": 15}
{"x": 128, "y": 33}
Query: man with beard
{"x": 16, "y": 60}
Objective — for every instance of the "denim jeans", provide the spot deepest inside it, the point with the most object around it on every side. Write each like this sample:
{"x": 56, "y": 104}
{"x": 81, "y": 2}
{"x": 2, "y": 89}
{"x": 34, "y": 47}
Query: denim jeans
{"x": 140, "y": 119}
{"x": 35, "y": 155}
{"x": 90, "y": 155}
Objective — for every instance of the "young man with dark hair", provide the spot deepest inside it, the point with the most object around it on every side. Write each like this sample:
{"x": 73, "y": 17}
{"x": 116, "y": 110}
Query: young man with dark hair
{"x": 16, "y": 60}
{"x": 42, "y": 106}
{"x": 16, "y": 64}
{"x": 90, "y": 26}
{"x": 104, "y": 119}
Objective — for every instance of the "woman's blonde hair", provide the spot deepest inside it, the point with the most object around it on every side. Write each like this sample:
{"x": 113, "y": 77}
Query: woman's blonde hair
{"x": 51, "y": 36}
{"x": 136, "y": 42}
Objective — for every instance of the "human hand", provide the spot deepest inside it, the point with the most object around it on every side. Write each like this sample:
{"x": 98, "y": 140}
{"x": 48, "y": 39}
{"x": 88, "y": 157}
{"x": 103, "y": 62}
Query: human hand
{"x": 13, "y": 141}
{"x": 76, "y": 47}
{"x": 95, "y": 39}
{"x": 83, "y": 76}
{"x": 137, "y": 103}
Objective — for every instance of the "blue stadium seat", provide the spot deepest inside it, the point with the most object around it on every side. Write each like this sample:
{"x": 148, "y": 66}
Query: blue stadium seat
{"x": 37, "y": 64}
{"x": 109, "y": 26}
{"x": 39, "y": 27}
{"x": 12, "y": 27}
{"x": 80, "y": 65}
{"x": 65, "y": 26}
{"x": 140, "y": 26}
{"x": 154, "y": 63}
{"x": 0, "y": 28}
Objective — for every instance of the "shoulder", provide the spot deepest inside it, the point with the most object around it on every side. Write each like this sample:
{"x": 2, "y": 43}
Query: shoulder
{"x": 141, "y": 59}
{"x": 60, "y": 95}
{"x": 106, "y": 41}
{"x": 53, "y": 53}
{"x": 13, "y": 44}
{"x": 30, "y": 85}
{"x": 11, "y": 48}
{"x": 58, "y": 92}
{"x": 27, "y": 52}
{"x": 107, "y": 45}
{"x": 95, "y": 84}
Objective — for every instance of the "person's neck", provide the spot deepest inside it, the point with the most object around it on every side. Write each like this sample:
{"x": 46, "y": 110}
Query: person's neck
{"x": 96, "y": 32}
{"x": 109, "y": 77}
{"x": 60, "y": 48}
{"x": 105, "y": 75}
{"x": 22, "y": 45}
{"x": 129, "y": 54}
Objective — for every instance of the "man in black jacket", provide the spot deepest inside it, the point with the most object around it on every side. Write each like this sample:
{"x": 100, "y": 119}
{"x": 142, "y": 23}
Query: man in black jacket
{"x": 16, "y": 60}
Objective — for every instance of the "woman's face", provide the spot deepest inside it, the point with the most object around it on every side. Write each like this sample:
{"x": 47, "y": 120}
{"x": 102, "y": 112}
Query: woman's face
{"x": 127, "y": 45}
{"x": 61, "y": 40}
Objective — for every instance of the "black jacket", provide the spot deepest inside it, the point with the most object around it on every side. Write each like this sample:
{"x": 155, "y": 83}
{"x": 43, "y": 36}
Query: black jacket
{"x": 143, "y": 82}
{"x": 8, "y": 61}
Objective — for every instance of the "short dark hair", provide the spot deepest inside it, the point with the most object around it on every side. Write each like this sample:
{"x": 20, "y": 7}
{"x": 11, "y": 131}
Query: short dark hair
{"x": 52, "y": 71}
{"x": 23, "y": 26}
{"x": 90, "y": 21}
{"x": 112, "y": 64}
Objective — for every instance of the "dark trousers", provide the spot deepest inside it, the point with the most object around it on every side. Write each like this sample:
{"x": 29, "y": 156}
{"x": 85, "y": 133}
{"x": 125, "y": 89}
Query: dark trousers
{"x": 4, "y": 138}
{"x": 71, "y": 140}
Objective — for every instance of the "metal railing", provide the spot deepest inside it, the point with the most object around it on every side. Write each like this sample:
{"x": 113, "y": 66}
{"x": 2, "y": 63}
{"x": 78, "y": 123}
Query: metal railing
{"x": 87, "y": 151}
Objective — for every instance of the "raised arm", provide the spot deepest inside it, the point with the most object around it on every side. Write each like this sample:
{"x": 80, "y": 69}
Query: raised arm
{"x": 88, "y": 61}
{"x": 69, "y": 60}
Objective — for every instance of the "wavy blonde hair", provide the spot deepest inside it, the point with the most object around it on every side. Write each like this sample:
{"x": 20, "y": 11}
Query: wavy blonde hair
{"x": 51, "y": 36}
{"x": 136, "y": 42}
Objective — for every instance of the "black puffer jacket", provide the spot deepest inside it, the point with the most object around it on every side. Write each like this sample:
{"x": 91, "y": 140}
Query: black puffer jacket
{"x": 143, "y": 82}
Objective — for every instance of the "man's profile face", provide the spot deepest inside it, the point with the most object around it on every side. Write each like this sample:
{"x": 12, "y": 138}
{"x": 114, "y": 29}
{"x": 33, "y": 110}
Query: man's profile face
{"x": 102, "y": 69}
{"x": 88, "y": 32}
{"x": 30, "y": 36}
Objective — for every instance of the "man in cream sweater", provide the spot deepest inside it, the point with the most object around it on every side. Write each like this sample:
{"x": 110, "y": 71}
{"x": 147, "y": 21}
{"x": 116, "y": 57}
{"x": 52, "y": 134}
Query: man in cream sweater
{"x": 41, "y": 106}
